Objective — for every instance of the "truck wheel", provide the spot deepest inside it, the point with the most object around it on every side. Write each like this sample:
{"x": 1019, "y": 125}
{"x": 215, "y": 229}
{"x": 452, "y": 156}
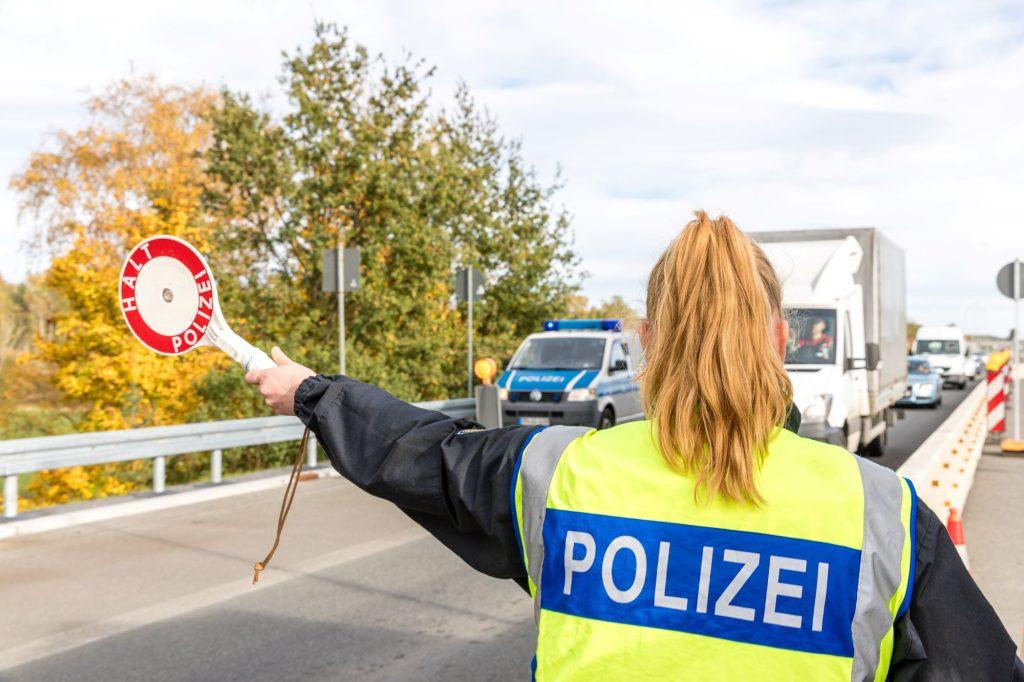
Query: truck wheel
{"x": 607, "y": 418}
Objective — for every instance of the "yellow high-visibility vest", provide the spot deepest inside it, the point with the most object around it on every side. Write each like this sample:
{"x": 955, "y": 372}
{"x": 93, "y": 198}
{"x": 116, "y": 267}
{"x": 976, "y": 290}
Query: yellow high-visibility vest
{"x": 633, "y": 579}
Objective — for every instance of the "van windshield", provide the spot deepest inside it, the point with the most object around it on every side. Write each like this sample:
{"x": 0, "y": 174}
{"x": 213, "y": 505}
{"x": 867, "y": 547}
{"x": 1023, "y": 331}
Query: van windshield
{"x": 560, "y": 353}
{"x": 937, "y": 347}
{"x": 812, "y": 336}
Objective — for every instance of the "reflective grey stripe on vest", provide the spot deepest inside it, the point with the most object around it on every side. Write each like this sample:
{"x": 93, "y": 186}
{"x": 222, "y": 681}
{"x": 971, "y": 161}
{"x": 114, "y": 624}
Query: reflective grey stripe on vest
{"x": 535, "y": 471}
{"x": 880, "y": 559}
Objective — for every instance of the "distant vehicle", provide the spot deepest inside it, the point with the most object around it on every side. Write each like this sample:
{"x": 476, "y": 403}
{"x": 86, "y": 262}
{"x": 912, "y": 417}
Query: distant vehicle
{"x": 971, "y": 367}
{"x": 946, "y": 348}
{"x": 980, "y": 360}
{"x": 579, "y": 372}
{"x": 844, "y": 292}
{"x": 924, "y": 383}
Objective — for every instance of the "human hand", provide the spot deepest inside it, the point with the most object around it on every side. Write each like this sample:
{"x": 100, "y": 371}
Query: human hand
{"x": 278, "y": 384}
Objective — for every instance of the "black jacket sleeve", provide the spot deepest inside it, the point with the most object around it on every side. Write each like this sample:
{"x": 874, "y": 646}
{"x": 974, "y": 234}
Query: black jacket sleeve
{"x": 951, "y": 632}
{"x": 454, "y": 479}
{"x": 449, "y": 475}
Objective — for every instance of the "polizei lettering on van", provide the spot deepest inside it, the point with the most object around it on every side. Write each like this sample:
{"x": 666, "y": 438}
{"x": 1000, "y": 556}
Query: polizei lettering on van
{"x": 747, "y": 587}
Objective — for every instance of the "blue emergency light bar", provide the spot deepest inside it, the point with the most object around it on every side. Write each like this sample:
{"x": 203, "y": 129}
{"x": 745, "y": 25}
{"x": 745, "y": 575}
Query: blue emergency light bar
{"x": 583, "y": 325}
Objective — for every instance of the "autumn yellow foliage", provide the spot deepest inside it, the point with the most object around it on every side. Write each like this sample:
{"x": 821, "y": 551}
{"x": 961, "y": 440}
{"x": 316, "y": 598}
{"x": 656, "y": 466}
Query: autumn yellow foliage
{"x": 134, "y": 171}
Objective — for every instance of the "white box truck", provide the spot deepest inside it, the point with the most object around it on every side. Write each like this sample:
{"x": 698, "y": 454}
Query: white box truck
{"x": 844, "y": 294}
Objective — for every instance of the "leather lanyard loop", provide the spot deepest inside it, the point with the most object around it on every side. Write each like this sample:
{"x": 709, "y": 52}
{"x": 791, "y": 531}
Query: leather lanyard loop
{"x": 286, "y": 505}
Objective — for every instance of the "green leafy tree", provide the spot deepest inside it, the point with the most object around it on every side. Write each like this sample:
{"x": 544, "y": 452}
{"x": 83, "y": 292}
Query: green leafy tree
{"x": 361, "y": 156}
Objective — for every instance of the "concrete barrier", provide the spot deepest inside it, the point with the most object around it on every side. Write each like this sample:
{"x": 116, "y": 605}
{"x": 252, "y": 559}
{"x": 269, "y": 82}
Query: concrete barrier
{"x": 942, "y": 468}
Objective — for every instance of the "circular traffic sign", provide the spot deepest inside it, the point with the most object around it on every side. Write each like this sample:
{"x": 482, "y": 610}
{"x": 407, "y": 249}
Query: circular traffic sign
{"x": 1009, "y": 283}
{"x": 167, "y": 294}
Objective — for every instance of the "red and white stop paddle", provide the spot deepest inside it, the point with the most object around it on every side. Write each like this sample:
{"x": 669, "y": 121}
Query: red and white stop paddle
{"x": 169, "y": 300}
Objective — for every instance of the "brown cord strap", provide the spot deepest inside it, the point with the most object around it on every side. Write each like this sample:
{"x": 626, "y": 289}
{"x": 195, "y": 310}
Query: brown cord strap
{"x": 286, "y": 504}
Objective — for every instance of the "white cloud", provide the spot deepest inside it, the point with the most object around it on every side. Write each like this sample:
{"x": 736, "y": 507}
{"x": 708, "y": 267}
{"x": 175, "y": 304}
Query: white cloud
{"x": 781, "y": 114}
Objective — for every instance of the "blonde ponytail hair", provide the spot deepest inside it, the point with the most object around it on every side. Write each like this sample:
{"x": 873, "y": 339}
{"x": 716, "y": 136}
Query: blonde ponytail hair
{"x": 714, "y": 383}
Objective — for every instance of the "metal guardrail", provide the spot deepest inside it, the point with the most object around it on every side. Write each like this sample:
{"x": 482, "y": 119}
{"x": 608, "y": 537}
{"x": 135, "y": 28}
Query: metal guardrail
{"x": 27, "y": 455}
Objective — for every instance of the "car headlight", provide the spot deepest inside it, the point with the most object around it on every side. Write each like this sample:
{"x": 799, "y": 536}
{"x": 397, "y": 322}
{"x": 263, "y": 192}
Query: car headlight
{"x": 581, "y": 394}
{"x": 502, "y": 394}
{"x": 925, "y": 390}
{"x": 817, "y": 411}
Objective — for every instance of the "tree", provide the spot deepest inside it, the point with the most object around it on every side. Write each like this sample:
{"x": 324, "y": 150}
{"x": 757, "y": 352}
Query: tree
{"x": 360, "y": 157}
{"x": 27, "y": 311}
{"x": 133, "y": 171}
{"x": 912, "y": 328}
{"x": 614, "y": 308}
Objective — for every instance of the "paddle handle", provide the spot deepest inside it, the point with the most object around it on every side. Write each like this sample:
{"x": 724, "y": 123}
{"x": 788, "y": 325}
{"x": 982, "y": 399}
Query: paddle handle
{"x": 241, "y": 351}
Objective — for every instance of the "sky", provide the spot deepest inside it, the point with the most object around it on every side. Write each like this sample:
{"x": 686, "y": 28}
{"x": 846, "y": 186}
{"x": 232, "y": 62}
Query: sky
{"x": 908, "y": 117}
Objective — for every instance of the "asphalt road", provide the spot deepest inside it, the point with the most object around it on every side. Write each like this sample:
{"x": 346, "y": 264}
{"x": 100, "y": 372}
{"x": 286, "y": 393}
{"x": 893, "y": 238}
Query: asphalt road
{"x": 919, "y": 423}
{"x": 410, "y": 613}
{"x": 356, "y": 592}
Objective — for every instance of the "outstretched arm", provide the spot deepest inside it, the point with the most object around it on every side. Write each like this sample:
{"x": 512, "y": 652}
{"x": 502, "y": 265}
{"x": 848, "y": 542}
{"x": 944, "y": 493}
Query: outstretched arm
{"x": 449, "y": 475}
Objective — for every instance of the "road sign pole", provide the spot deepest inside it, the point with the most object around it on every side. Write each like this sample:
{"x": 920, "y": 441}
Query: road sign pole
{"x": 341, "y": 305}
{"x": 1016, "y": 352}
{"x": 469, "y": 340}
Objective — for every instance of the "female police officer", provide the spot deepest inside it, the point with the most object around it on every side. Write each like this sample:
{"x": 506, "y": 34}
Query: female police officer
{"x": 708, "y": 542}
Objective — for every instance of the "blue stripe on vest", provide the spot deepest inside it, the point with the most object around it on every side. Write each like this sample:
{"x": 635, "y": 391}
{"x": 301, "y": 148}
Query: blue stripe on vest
{"x": 745, "y": 587}
{"x": 905, "y": 605}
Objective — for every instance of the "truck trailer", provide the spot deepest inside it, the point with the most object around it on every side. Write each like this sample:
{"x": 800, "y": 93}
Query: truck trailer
{"x": 844, "y": 294}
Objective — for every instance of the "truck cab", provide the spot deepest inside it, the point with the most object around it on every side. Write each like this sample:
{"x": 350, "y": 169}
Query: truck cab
{"x": 577, "y": 372}
{"x": 843, "y": 297}
{"x": 825, "y": 352}
{"x": 946, "y": 348}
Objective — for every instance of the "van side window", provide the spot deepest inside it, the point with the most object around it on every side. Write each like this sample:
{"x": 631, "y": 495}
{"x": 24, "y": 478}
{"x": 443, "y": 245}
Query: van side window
{"x": 619, "y": 355}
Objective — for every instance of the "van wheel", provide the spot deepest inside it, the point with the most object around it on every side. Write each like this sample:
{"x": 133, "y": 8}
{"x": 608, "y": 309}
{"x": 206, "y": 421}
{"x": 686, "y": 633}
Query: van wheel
{"x": 607, "y": 418}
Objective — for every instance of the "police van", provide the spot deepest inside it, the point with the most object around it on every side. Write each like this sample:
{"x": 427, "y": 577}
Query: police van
{"x": 577, "y": 372}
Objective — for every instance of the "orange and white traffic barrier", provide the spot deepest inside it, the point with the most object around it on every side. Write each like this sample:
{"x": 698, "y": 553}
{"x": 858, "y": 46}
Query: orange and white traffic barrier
{"x": 955, "y": 528}
{"x": 996, "y": 391}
